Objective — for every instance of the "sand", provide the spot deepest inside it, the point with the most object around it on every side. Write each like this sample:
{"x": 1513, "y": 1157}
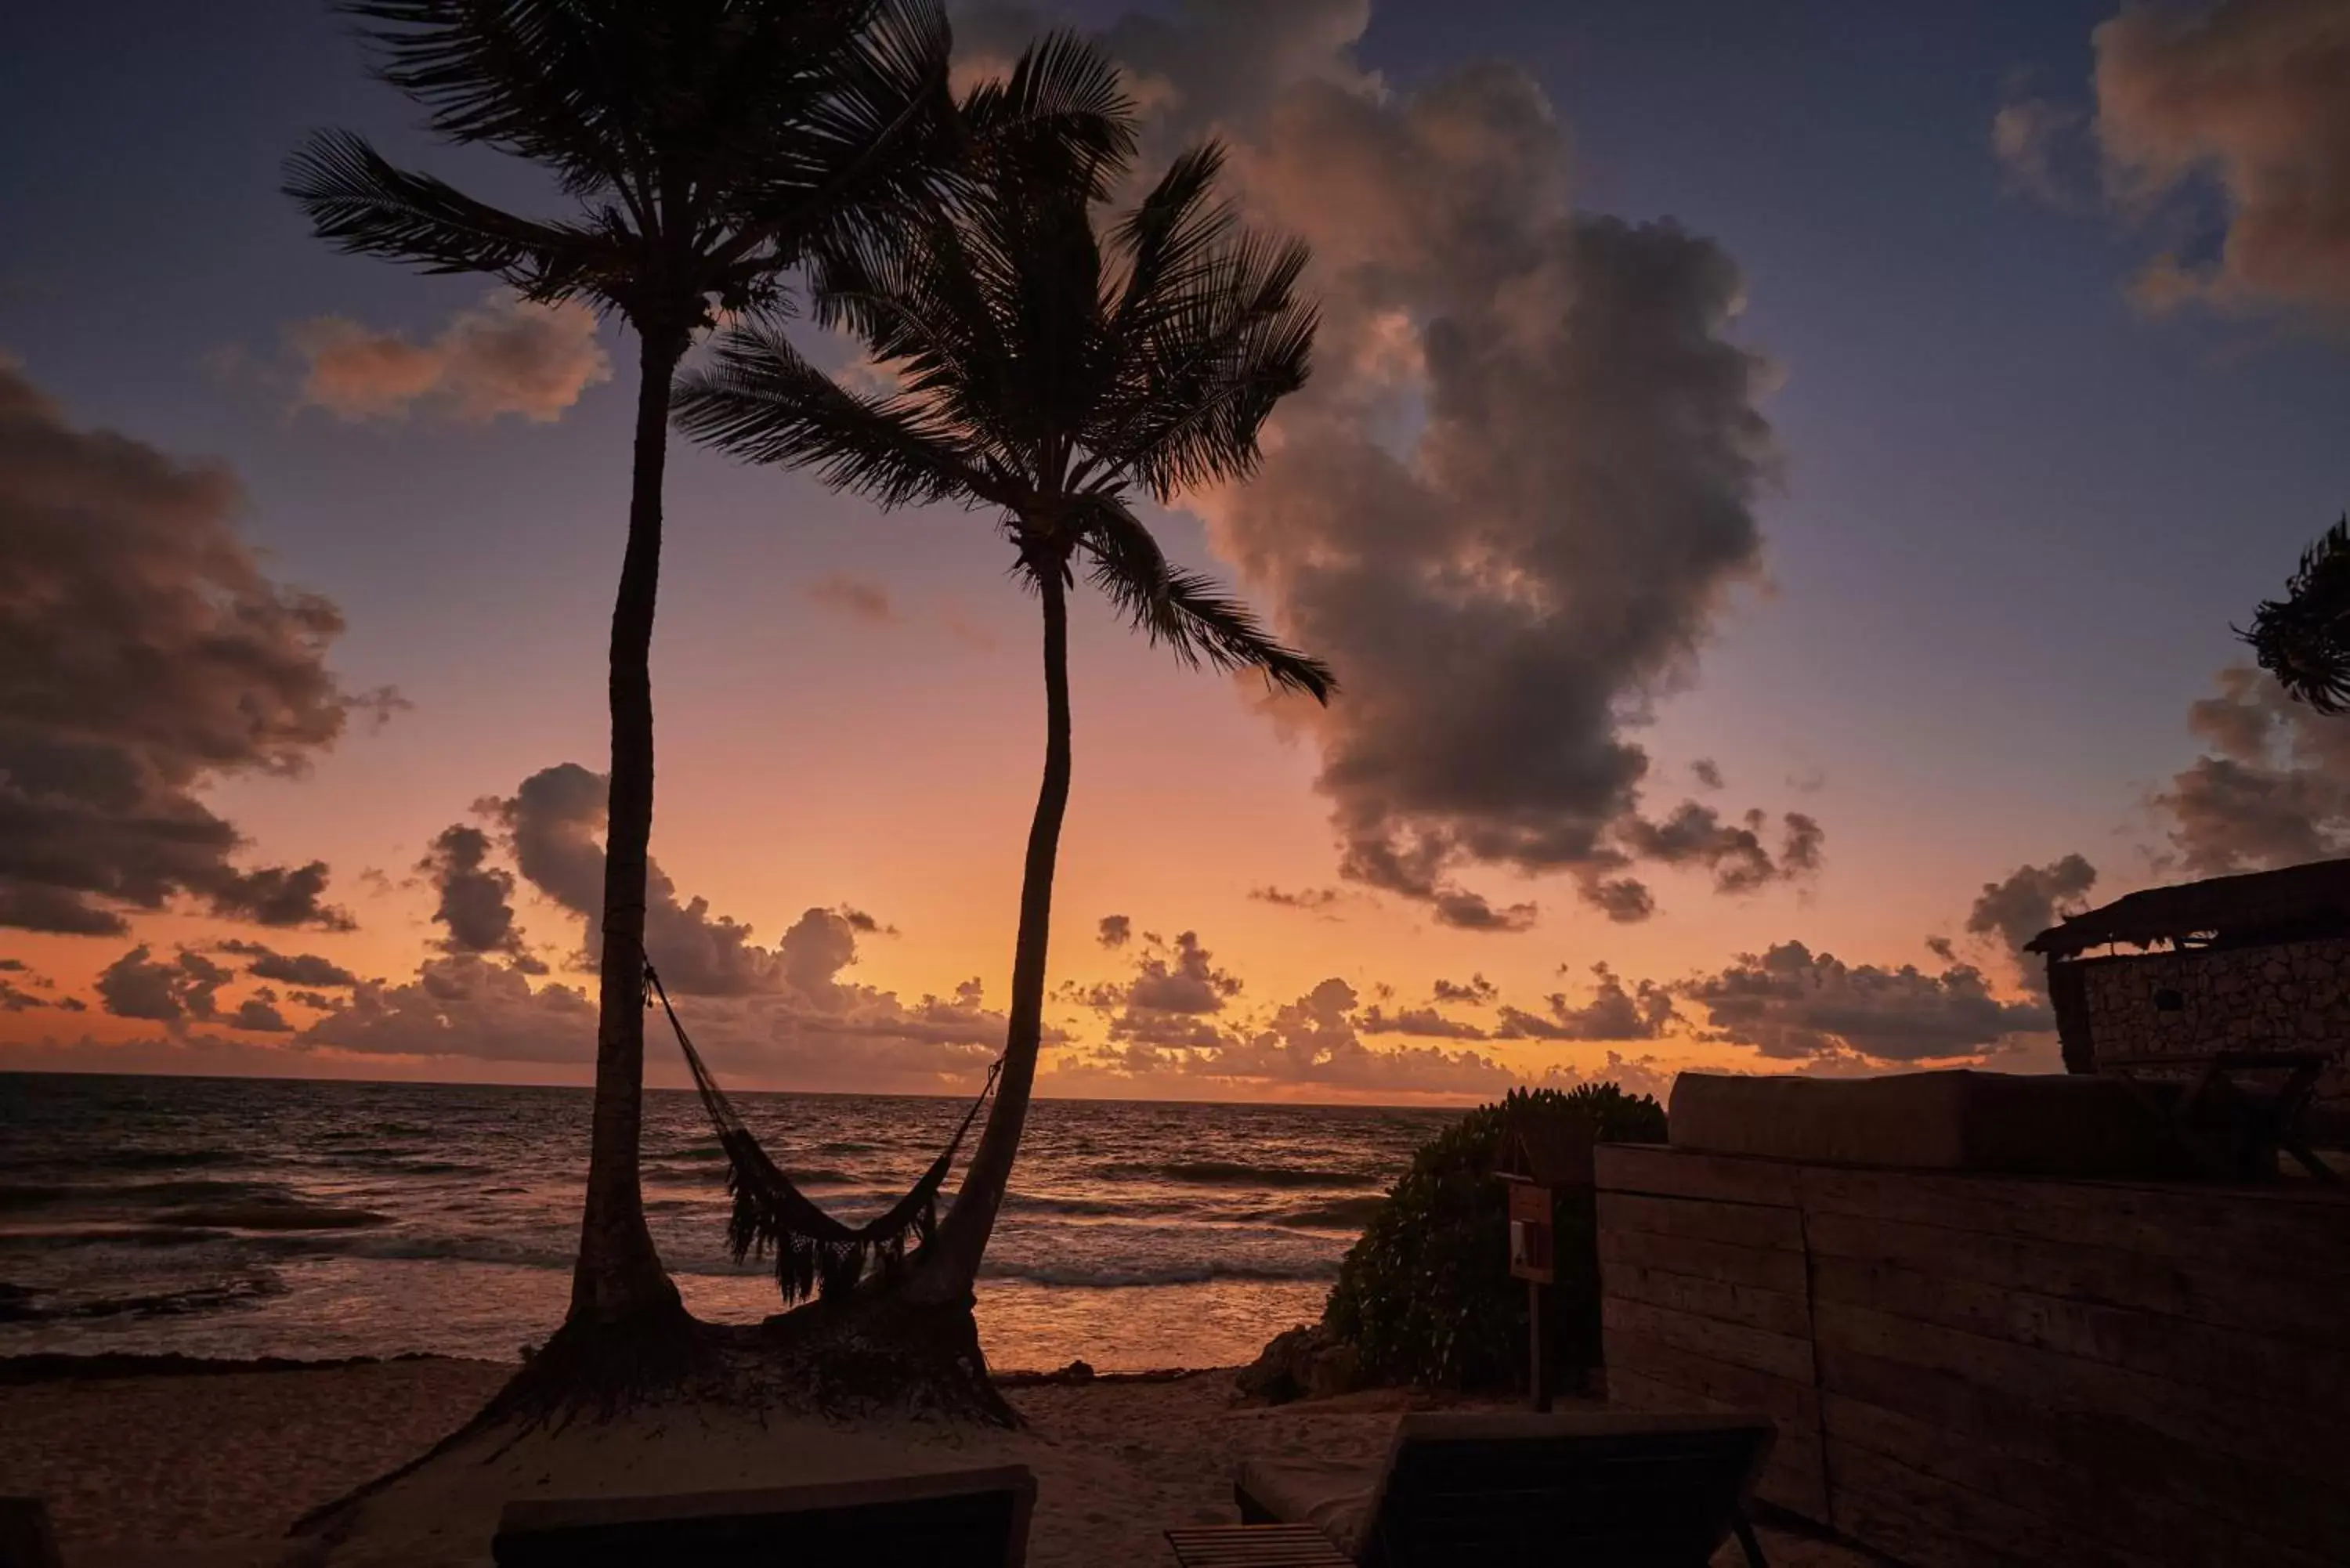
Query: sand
{"x": 211, "y": 1470}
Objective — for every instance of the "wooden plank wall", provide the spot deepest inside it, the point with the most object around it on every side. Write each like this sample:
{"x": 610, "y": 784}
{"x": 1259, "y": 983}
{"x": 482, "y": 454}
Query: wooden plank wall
{"x": 1998, "y": 1371}
{"x": 1706, "y": 1301}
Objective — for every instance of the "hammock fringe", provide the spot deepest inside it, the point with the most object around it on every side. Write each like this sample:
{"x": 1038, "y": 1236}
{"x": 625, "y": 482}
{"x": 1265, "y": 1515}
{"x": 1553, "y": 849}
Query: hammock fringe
{"x": 815, "y": 1254}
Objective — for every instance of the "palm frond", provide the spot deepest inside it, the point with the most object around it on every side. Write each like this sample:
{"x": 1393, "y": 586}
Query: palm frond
{"x": 359, "y": 203}
{"x": 763, "y": 401}
{"x": 2303, "y": 639}
{"x": 1062, "y": 111}
{"x": 1186, "y": 612}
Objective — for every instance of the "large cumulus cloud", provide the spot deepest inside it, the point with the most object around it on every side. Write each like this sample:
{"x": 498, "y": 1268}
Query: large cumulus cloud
{"x": 1510, "y": 502}
{"x": 2224, "y": 132}
{"x": 143, "y": 655}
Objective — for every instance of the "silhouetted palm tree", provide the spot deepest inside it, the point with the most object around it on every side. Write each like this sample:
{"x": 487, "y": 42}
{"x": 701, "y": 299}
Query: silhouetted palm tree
{"x": 706, "y": 144}
{"x": 2303, "y": 639}
{"x": 1046, "y": 372}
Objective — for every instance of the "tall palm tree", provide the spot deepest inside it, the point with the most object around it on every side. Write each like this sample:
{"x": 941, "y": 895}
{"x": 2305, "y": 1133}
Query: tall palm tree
{"x": 706, "y": 144}
{"x": 1048, "y": 373}
{"x": 2303, "y": 639}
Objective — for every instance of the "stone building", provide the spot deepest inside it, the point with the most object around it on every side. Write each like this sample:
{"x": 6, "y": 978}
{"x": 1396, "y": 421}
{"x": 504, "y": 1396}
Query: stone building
{"x": 2233, "y": 962}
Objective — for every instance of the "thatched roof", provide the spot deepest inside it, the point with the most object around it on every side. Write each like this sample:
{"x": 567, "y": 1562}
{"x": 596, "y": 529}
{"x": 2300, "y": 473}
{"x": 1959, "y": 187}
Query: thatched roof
{"x": 2297, "y": 896}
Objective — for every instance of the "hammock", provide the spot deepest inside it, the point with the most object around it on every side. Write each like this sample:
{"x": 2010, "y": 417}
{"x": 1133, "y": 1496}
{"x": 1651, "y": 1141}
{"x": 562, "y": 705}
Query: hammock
{"x": 814, "y": 1254}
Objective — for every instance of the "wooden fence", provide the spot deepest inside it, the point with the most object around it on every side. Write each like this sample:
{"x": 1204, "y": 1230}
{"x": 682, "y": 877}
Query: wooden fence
{"x": 1989, "y": 1371}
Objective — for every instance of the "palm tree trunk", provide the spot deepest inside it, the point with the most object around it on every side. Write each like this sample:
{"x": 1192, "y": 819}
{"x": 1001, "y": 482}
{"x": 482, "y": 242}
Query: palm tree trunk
{"x": 620, "y": 1275}
{"x": 950, "y": 1264}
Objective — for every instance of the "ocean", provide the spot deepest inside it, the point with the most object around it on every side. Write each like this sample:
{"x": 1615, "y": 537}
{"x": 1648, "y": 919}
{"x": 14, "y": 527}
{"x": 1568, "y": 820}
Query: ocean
{"x": 241, "y": 1217}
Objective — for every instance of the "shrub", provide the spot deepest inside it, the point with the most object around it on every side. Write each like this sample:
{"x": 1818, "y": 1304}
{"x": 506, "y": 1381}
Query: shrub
{"x": 1426, "y": 1295}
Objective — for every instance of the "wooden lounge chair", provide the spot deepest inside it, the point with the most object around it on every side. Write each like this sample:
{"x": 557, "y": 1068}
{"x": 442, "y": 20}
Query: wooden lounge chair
{"x": 25, "y": 1539}
{"x": 957, "y": 1519}
{"x": 1595, "y": 1490}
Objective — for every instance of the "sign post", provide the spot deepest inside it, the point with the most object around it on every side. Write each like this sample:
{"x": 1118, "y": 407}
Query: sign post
{"x": 1539, "y": 1156}
{"x": 1529, "y": 1260}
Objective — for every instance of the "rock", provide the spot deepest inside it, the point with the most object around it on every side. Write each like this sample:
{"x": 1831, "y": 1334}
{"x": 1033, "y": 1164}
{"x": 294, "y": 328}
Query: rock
{"x": 1335, "y": 1369}
{"x": 1283, "y": 1370}
{"x": 1307, "y": 1362}
{"x": 1075, "y": 1372}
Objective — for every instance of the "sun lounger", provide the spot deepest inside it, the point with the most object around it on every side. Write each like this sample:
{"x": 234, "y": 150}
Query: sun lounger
{"x": 25, "y": 1539}
{"x": 957, "y": 1519}
{"x": 1597, "y": 1490}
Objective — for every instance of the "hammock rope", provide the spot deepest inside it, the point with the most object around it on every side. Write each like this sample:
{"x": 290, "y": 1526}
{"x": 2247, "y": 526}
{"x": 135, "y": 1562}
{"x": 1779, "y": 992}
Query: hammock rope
{"x": 815, "y": 1254}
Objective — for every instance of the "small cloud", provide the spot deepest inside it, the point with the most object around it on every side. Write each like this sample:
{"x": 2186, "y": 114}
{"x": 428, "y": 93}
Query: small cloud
{"x": 859, "y": 599}
{"x": 2032, "y": 138}
{"x": 508, "y": 356}
{"x": 1707, "y": 772}
{"x": 1476, "y": 991}
{"x": 1312, "y": 900}
{"x": 1114, "y": 931}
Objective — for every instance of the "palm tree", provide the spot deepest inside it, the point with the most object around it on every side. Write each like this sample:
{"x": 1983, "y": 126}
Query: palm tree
{"x": 2303, "y": 639}
{"x": 706, "y": 145}
{"x": 1047, "y": 374}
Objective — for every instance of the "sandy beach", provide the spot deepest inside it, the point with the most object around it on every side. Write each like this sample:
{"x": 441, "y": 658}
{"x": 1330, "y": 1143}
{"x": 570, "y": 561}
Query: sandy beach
{"x": 211, "y": 1469}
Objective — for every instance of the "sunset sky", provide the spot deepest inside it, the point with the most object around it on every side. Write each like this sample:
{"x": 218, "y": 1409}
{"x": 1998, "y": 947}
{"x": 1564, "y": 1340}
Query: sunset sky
{"x": 1867, "y": 417}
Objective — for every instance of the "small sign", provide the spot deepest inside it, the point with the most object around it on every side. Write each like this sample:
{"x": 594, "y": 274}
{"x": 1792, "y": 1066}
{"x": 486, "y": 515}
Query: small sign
{"x": 1530, "y": 1232}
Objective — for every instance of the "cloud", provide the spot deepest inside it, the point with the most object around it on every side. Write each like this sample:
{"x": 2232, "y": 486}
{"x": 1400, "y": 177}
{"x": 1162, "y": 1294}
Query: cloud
{"x": 259, "y": 1015}
{"x": 1173, "y": 989}
{"x": 1644, "y": 1012}
{"x": 2271, "y": 788}
{"x": 138, "y": 986}
{"x": 2032, "y": 138}
{"x": 1707, "y": 772}
{"x": 2226, "y": 128}
{"x": 553, "y": 822}
{"x": 1475, "y": 992}
{"x": 1423, "y": 1021}
{"x": 859, "y": 599}
{"x": 1792, "y": 1004}
{"x": 1317, "y": 1041}
{"x": 167, "y": 662}
{"x": 505, "y": 357}
{"x": 786, "y": 1014}
{"x": 1114, "y": 931}
{"x": 2030, "y": 900}
{"x": 1316, "y": 902}
{"x": 475, "y": 898}
{"x": 2251, "y": 99}
{"x": 291, "y": 968}
{"x": 1520, "y": 487}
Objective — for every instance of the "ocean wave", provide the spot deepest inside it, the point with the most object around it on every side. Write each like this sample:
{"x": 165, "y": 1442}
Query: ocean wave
{"x": 1338, "y": 1214}
{"x": 23, "y": 1306}
{"x": 1235, "y": 1173}
{"x": 1118, "y": 1275}
{"x": 133, "y": 1159}
{"x": 275, "y": 1214}
{"x": 399, "y": 1248}
{"x": 61, "y": 1238}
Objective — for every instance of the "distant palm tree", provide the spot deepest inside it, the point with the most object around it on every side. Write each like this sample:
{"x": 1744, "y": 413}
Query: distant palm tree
{"x": 707, "y": 144}
{"x": 2303, "y": 639}
{"x": 1046, "y": 372}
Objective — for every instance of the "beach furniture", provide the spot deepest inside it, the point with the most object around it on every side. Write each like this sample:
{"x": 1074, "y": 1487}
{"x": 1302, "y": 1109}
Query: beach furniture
{"x": 25, "y": 1539}
{"x": 954, "y": 1519}
{"x": 1594, "y": 1489}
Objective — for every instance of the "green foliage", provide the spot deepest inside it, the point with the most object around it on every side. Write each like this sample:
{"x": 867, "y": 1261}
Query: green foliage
{"x": 1426, "y": 1296}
